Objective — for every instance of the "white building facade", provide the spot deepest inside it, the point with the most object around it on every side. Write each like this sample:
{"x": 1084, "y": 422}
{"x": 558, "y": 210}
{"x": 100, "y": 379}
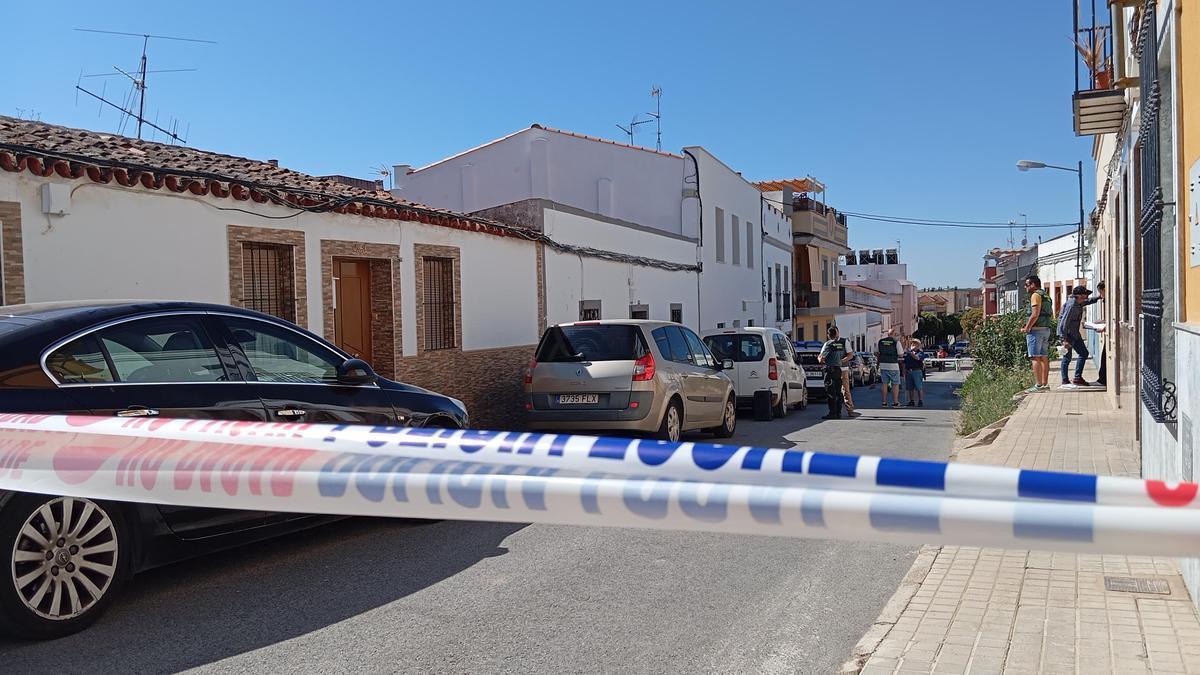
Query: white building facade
{"x": 649, "y": 222}
{"x": 110, "y": 231}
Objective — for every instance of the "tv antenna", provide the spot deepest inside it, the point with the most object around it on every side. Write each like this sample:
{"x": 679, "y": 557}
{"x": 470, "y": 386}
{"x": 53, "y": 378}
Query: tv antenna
{"x": 655, "y": 117}
{"x": 1025, "y": 232}
{"x": 138, "y": 78}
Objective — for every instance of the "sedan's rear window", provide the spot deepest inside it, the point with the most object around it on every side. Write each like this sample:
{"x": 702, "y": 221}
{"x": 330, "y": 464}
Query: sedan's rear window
{"x": 605, "y": 342}
{"x": 79, "y": 362}
{"x": 740, "y": 348}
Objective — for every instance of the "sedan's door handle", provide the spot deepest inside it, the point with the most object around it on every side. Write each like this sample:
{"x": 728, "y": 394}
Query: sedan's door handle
{"x": 137, "y": 411}
{"x": 291, "y": 412}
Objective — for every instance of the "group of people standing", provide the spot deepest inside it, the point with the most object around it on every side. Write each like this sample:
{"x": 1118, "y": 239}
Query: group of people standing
{"x": 1068, "y": 330}
{"x": 897, "y": 362}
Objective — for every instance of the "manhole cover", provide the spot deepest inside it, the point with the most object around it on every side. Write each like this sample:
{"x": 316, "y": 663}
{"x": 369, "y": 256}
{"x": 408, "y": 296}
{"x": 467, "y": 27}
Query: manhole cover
{"x": 1137, "y": 585}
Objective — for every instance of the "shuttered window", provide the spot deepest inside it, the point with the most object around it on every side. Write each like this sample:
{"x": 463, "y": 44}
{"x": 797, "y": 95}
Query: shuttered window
{"x": 439, "y": 303}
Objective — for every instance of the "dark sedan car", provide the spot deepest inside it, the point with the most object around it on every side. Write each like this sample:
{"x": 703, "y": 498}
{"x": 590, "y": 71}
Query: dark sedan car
{"x": 65, "y": 558}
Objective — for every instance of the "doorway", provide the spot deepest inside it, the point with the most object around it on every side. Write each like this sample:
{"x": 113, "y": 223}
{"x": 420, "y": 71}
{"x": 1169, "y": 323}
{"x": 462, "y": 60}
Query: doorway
{"x": 352, "y": 307}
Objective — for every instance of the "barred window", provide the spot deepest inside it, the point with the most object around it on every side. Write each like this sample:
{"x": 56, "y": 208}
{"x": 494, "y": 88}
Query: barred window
{"x": 439, "y": 303}
{"x": 269, "y": 279}
{"x": 677, "y": 312}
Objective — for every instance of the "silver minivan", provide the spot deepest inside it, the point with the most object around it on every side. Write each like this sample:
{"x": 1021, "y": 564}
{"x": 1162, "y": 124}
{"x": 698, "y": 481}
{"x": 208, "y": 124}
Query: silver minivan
{"x": 653, "y": 377}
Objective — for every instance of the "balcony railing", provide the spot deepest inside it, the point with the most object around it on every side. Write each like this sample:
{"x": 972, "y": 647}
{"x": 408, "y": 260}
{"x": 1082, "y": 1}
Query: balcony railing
{"x": 808, "y": 300}
{"x": 1099, "y": 100}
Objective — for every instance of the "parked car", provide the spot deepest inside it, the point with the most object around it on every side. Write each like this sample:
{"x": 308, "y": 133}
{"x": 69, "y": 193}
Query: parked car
{"x": 870, "y": 368}
{"x": 69, "y": 557}
{"x": 807, "y": 354}
{"x": 962, "y": 348}
{"x": 653, "y": 377}
{"x": 763, "y": 361}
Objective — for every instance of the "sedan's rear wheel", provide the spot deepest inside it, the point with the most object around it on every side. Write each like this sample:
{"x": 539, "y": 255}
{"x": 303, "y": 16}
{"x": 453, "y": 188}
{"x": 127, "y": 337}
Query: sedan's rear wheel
{"x": 67, "y": 558}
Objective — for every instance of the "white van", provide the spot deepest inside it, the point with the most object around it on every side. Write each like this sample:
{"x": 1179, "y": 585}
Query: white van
{"x": 763, "y": 361}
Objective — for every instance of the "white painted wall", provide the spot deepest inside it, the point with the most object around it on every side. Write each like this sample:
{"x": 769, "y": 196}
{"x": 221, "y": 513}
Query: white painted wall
{"x": 631, "y": 184}
{"x": 777, "y": 251}
{"x": 132, "y": 243}
{"x": 730, "y": 291}
{"x": 571, "y": 278}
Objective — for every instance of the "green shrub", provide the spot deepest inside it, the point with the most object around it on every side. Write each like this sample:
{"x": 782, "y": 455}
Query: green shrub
{"x": 999, "y": 344}
{"x": 987, "y": 395}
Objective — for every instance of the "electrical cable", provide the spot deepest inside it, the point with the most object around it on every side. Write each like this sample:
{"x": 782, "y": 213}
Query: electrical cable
{"x": 933, "y": 222}
{"x": 333, "y": 202}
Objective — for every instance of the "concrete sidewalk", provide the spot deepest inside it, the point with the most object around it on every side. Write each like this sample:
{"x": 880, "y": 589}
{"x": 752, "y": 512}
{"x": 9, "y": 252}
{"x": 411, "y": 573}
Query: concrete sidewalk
{"x": 977, "y": 610}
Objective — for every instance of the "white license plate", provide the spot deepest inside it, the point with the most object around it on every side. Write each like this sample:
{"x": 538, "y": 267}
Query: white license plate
{"x": 578, "y": 399}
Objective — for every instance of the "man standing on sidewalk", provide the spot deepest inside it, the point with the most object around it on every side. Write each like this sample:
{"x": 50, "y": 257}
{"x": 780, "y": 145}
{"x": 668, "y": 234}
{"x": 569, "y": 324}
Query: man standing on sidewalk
{"x": 1102, "y": 378}
{"x": 1069, "y": 324}
{"x": 834, "y": 356}
{"x": 1037, "y": 332}
{"x": 887, "y": 352}
{"x": 914, "y": 374}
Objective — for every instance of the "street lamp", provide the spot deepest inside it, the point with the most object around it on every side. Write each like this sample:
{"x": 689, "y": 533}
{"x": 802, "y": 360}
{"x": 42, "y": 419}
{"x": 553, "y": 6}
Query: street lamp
{"x": 1026, "y": 165}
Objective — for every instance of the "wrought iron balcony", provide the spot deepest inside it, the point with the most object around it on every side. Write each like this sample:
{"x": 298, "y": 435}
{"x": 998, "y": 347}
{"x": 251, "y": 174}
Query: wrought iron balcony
{"x": 1099, "y": 99}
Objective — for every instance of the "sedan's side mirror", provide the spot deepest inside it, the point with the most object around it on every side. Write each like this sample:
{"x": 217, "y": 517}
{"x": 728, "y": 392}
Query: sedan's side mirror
{"x": 356, "y": 371}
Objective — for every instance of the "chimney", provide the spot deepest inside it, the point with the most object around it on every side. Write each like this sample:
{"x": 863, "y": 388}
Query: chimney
{"x": 273, "y": 162}
{"x": 400, "y": 176}
{"x": 378, "y": 183}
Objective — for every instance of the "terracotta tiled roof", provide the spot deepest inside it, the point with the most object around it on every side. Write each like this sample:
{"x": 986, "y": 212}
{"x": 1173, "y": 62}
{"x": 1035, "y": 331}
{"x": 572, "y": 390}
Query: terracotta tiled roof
{"x": 44, "y": 149}
{"x": 796, "y": 184}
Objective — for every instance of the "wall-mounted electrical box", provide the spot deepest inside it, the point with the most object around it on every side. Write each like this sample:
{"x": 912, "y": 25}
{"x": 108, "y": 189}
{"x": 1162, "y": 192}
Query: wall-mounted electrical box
{"x": 56, "y": 199}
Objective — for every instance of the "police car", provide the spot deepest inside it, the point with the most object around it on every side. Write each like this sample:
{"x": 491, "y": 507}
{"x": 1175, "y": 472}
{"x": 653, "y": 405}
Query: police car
{"x": 807, "y": 354}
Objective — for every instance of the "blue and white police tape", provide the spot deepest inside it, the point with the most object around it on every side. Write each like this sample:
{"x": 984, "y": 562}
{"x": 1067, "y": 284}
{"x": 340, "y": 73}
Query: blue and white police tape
{"x": 519, "y": 477}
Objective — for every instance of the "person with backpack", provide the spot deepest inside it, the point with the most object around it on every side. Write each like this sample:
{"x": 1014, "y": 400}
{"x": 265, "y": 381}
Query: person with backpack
{"x": 887, "y": 352}
{"x": 1037, "y": 332}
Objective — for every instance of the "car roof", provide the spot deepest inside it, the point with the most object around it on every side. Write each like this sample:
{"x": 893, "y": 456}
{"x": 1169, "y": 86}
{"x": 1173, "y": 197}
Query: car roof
{"x": 757, "y": 330}
{"x": 653, "y": 323}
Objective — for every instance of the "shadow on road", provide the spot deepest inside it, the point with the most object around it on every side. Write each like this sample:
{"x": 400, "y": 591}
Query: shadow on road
{"x": 241, "y": 600}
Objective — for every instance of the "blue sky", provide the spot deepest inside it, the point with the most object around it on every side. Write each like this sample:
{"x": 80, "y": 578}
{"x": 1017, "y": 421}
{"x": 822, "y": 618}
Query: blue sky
{"x": 917, "y": 110}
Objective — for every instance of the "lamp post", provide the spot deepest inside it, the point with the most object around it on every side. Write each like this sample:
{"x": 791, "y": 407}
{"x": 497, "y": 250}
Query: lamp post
{"x": 1026, "y": 165}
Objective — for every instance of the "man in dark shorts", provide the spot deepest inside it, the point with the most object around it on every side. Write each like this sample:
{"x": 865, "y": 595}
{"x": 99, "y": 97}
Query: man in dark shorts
{"x": 834, "y": 356}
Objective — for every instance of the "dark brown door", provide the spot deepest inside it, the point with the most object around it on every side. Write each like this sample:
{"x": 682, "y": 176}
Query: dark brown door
{"x": 352, "y": 307}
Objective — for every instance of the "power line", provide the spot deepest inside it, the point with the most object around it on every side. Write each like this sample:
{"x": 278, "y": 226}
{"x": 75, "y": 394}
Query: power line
{"x": 933, "y": 222}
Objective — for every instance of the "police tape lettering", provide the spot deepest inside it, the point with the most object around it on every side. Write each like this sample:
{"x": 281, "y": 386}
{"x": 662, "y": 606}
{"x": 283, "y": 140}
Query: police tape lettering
{"x": 524, "y": 477}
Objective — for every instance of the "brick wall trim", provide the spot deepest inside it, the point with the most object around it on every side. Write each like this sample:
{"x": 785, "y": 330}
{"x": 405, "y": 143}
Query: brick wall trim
{"x": 420, "y": 252}
{"x": 238, "y": 234}
{"x": 386, "y": 334}
{"x": 12, "y": 252}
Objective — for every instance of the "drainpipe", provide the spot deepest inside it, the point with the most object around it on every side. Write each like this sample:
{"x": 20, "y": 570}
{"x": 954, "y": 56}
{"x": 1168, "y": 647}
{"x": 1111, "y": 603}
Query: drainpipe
{"x": 700, "y": 238}
{"x": 762, "y": 252}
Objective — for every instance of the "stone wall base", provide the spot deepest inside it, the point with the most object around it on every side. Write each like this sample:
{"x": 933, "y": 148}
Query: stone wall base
{"x": 489, "y": 381}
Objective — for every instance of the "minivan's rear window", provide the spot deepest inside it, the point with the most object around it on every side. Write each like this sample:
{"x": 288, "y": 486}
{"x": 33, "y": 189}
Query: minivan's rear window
{"x": 605, "y": 342}
{"x": 740, "y": 348}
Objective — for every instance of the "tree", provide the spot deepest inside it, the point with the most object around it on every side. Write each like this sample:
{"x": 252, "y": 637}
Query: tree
{"x": 928, "y": 326}
{"x": 952, "y": 325}
{"x": 970, "y": 321}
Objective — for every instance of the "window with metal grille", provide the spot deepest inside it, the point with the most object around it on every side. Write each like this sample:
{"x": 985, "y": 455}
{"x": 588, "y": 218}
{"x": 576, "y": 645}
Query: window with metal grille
{"x": 676, "y": 312}
{"x": 439, "y": 303}
{"x": 787, "y": 294}
{"x": 269, "y": 279}
{"x": 1157, "y": 392}
{"x": 589, "y": 310}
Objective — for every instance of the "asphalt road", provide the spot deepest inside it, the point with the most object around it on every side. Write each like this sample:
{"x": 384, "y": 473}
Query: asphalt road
{"x": 388, "y": 596}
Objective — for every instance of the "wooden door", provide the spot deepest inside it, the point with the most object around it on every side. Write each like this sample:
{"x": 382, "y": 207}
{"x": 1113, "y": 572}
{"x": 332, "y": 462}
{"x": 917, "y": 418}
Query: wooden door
{"x": 352, "y": 307}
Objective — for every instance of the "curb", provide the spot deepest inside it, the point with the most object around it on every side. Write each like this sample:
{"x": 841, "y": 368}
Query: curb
{"x": 891, "y": 611}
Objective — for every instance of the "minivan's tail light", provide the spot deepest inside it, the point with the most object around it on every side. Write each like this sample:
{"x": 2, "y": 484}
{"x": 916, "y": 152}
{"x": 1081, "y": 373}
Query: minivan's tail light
{"x": 773, "y": 369}
{"x": 529, "y": 371}
{"x": 643, "y": 368}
